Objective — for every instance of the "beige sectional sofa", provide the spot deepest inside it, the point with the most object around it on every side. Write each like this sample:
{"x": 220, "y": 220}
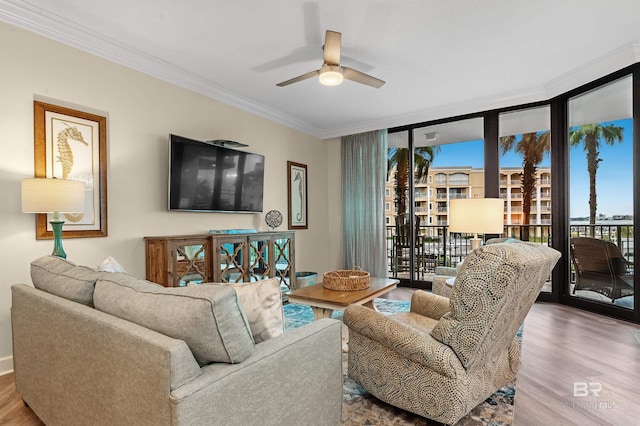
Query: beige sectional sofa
{"x": 104, "y": 348}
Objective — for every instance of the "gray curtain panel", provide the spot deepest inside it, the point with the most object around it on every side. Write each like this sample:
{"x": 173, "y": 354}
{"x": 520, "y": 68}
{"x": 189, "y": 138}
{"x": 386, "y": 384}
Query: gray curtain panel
{"x": 364, "y": 169}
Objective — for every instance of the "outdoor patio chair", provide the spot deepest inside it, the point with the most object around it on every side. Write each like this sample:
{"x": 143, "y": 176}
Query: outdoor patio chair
{"x": 600, "y": 267}
{"x": 403, "y": 246}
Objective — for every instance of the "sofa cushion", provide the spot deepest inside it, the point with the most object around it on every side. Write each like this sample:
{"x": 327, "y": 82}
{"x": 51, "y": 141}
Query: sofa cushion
{"x": 208, "y": 318}
{"x": 63, "y": 278}
{"x": 262, "y": 304}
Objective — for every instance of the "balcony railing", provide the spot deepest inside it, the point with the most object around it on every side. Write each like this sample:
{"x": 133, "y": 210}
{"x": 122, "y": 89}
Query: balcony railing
{"x": 438, "y": 247}
{"x": 620, "y": 235}
{"x": 464, "y": 181}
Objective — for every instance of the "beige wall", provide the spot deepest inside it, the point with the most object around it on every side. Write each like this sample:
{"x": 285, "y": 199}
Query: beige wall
{"x": 142, "y": 111}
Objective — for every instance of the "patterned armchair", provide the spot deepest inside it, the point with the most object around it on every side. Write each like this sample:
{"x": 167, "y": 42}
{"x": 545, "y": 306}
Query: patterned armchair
{"x": 443, "y": 273}
{"x": 446, "y": 356}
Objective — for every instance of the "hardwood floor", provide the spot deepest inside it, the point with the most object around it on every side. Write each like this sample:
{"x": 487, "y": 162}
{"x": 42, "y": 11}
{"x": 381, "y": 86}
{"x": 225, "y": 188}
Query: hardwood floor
{"x": 12, "y": 410}
{"x": 562, "y": 347}
{"x": 567, "y": 352}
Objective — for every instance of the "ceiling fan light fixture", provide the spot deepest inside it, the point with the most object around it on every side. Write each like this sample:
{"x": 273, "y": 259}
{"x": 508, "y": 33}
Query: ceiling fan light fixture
{"x": 330, "y": 75}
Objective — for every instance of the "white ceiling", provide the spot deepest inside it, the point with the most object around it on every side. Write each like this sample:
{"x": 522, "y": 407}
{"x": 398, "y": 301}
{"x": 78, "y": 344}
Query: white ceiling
{"x": 439, "y": 58}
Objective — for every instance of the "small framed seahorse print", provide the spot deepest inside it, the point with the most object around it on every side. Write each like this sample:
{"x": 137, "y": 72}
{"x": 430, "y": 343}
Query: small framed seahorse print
{"x": 297, "y": 195}
{"x": 72, "y": 144}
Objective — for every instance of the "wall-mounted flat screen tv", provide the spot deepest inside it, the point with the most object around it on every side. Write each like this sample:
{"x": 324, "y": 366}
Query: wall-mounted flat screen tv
{"x": 208, "y": 177}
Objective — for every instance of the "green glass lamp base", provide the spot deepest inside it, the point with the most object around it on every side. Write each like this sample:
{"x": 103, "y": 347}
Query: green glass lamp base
{"x": 57, "y": 239}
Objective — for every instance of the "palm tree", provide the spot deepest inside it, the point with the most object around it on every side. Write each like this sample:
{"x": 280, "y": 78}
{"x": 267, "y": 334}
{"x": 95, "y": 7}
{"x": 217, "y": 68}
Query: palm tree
{"x": 590, "y": 135}
{"x": 398, "y": 158}
{"x": 532, "y": 147}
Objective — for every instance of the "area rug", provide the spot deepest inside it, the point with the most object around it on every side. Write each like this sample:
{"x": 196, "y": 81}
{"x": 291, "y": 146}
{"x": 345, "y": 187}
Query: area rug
{"x": 361, "y": 408}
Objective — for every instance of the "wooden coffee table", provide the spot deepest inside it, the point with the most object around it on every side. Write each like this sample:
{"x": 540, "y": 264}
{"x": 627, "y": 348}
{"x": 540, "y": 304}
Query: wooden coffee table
{"x": 323, "y": 301}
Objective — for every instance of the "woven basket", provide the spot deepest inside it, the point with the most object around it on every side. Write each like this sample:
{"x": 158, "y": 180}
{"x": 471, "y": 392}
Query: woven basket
{"x": 346, "y": 280}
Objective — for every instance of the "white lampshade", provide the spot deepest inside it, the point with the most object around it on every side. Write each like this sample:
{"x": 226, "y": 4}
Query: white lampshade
{"x": 52, "y": 195}
{"x": 476, "y": 215}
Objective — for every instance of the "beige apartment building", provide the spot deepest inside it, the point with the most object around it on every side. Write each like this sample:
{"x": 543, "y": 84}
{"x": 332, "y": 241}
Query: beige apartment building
{"x": 511, "y": 192}
{"x": 432, "y": 195}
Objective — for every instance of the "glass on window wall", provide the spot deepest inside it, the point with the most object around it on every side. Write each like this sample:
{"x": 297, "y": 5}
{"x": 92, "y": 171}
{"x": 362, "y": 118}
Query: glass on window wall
{"x": 601, "y": 194}
{"x": 448, "y": 163}
{"x": 525, "y": 173}
{"x": 450, "y": 166}
{"x": 397, "y": 193}
{"x": 524, "y": 145}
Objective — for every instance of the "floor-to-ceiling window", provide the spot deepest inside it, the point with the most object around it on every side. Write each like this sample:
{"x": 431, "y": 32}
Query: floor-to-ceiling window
{"x": 601, "y": 194}
{"x": 455, "y": 171}
{"x": 398, "y": 208}
{"x": 563, "y": 214}
{"x": 525, "y": 174}
{"x": 446, "y": 162}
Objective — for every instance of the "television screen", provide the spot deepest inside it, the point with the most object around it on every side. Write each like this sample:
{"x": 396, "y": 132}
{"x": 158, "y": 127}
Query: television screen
{"x": 207, "y": 177}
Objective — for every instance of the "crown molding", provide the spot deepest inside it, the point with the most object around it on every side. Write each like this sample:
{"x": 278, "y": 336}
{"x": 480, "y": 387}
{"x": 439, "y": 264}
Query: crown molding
{"x": 613, "y": 61}
{"x": 58, "y": 28}
{"x": 39, "y": 21}
{"x": 452, "y": 110}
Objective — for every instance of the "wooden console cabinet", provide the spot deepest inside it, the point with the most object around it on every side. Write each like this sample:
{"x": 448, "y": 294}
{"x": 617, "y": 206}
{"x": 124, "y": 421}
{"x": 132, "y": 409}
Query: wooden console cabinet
{"x": 174, "y": 261}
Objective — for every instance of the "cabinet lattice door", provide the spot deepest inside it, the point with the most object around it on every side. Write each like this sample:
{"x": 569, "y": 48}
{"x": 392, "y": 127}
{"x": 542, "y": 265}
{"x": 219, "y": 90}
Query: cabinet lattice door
{"x": 175, "y": 261}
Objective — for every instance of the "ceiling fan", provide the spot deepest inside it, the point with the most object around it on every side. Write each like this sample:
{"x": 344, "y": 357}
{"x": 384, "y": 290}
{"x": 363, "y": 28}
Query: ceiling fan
{"x": 331, "y": 73}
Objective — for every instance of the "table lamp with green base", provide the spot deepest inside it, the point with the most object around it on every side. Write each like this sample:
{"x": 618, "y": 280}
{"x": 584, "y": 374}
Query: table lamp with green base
{"x": 40, "y": 195}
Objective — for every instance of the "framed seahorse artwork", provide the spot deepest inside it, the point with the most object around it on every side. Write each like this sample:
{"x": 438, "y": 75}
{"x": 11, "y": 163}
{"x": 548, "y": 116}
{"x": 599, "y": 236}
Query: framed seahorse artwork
{"x": 297, "y": 195}
{"x": 72, "y": 144}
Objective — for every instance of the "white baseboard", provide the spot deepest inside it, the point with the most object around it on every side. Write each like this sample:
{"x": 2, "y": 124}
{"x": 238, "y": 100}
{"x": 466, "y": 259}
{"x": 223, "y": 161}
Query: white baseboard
{"x": 6, "y": 365}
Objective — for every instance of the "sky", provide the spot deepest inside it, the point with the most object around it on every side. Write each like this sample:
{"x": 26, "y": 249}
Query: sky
{"x": 614, "y": 179}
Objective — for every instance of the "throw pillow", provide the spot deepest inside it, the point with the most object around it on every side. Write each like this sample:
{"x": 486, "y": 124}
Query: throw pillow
{"x": 208, "y": 318}
{"x": 262, "y": 304}
{"x": 110, "y": 265}
{"x": 63, "y": 278}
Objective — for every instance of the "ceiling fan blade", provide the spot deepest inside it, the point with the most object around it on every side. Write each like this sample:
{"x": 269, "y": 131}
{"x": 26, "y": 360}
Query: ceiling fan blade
{"x": 299, "y": 78}
{"x": 360, "y": 77}
{"x": 332, "y": 41}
